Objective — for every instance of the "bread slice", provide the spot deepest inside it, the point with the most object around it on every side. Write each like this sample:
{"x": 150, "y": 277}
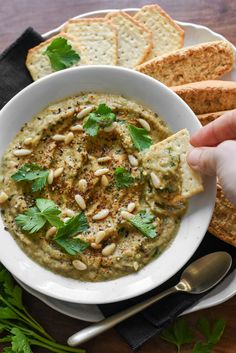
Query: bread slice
{"x": 97, "y": 38}
{"x": 209, "y": 117}
{"x": 179, "y": 144}
{"x": 207, "y": 61}
{"x": 167, "y": 35}
{"x": 208, "y": 96}
{"x": 134, "y": 40}
{"x": 39, "y": 65}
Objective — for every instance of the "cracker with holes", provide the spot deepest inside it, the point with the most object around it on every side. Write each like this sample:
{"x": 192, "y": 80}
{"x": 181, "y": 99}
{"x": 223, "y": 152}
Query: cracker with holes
{"x": 165, "y": 160}
{"x": 134, "y": 39}
{"x": 167, "y": 35}
{"x": 97, "y": 38}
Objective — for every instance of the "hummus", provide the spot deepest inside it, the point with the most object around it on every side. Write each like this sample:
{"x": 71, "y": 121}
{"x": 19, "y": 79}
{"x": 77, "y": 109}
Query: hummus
{"x": 86, "y": 166}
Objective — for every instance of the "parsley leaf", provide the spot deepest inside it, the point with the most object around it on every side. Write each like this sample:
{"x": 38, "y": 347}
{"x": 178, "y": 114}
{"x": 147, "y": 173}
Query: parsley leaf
{"x": 64, "y": 238}
{"x": 20, "y": 343}
{"x": 140, "y": 137}
{"x": 200, "y": 347}
{"x": 101, "y": 117}
{"x": 50, "y": 211}
{"x": 143, "y": 222}
{"x": 61, "y": 54}
{"x": 32, "y": 172}
{"x": 123, "y": 178}
{"x": 212, "y": 335}
{"x": 178, "y": 334}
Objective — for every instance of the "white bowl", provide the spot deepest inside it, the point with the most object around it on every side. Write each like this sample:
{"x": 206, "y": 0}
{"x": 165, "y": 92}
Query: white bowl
{"x": 175, "y": 112}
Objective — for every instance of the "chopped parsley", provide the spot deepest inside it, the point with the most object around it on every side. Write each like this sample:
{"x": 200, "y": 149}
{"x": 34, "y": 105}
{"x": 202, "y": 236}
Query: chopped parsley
{"x": 100, "y": 118}
{"x": 32, "y": 172}
{"x": 143, "y": 222}
{"x": 61, "y": 54}
{"x": 139, "y": 137}
{"x": 123, "y": 178}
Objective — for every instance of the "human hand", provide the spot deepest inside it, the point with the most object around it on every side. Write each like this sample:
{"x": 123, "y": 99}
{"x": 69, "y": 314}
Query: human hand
{"x": 215, "y": 152}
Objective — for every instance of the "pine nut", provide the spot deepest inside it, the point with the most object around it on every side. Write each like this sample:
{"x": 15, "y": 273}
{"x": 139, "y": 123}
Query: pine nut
{"x": 58, "y": 137}
{"x": 28, "y": 141}
{"x": 83, "y": 185}
{"x": 66, "y": 219}
{"x": 100, "y": 236}
{"x": 69, "y": 137}
{"x": 22, "y": 152}
{"x": 101, "y": 214}
{"x": 144, "y": 124}
{"x": 126, "y": 215}
{"x": 133, "y": 160}
{"x": 136, "y": 266}
{"x": 104, "y": 159}
{"x": 101, "y": 171}
{"x": 51, "y": 231}
{"x": 50, "y": 177}
{"x": 110, "y": 128}
{"x": 96, "y": 246}
{"x": 84, "y": 112}
{"x": 69, "y": 212}
{"x": 77, "y": 127}
{"x": 79, "y": 265}
{"x": 104, "y": 180}
{"x": 3, "y": 197}
{"x": 80, "y": 201}
{"x": 155, "y": 180}
{"x": 109, "y": 249}
{"x": 57, "y": 172}
{"x": 131, "y": 206}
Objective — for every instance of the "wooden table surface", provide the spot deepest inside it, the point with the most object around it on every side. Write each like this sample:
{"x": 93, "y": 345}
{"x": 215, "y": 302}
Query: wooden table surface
{"x": 43, "y": 15}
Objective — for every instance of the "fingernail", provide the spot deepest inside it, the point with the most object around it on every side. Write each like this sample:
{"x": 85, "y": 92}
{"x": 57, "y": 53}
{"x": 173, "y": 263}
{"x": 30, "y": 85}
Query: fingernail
{"x": 194, "y": 156}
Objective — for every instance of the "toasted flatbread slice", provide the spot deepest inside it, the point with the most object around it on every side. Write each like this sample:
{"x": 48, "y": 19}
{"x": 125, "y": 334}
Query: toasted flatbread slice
{"x": 167, "y": 35}
{"x": 176, "y": 145}
{"x": 206, "y": 61}
{"x": 134, "y": 40}
{"x": 208, "y": 96}
{"x": 209, "y": 117}
{"x": 97, "y": 38}
{"x": 39, "y": 65}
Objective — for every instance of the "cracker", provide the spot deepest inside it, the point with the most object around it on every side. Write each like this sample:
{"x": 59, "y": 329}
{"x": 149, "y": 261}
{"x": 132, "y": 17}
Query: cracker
{"x": 179, "y": 143}
{"x": 39, "y": 65}
{"x": 134, "y": 40}
{"x": 209, "y": 117}
{"x": 167, "y": 35}
{"x": 97, "y": 37}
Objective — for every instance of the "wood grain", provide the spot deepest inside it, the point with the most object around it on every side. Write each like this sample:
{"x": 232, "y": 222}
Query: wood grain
{"x": 43, "y": 15}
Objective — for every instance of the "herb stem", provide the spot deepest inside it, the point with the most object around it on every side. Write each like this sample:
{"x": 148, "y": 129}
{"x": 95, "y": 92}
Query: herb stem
{"x": 55, "y": 347}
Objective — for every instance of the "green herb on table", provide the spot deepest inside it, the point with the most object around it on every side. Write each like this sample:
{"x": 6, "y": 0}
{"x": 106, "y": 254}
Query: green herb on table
{"x": 143, "y": 222}
{"x": 36, "y": 217}
{"x": 32, "y": 172}
{"x": 100, "y": 118}
{"x": 140, "y": 137}
{"x": 65, "y": 234}
{"x": 179, "y": 333}
{"x": 17, "y": 327}
{"x": 123, "y": 178}
{"x": 61, "y": 54}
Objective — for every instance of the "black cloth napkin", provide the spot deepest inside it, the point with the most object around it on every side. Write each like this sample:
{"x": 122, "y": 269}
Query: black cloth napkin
{"x": 13, "y": 77}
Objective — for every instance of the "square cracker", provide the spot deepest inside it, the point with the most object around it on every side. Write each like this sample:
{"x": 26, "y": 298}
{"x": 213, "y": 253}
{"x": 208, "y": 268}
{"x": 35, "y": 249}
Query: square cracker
{"x": 97, "y": 38}
{"x": 179, "y": 142}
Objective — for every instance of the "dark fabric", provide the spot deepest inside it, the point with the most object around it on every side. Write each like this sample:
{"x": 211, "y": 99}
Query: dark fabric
{"x": 13, "y": 77}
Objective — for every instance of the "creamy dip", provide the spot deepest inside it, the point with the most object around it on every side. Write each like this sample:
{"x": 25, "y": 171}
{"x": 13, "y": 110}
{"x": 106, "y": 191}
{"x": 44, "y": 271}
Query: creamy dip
{"x": 81, "y": 179}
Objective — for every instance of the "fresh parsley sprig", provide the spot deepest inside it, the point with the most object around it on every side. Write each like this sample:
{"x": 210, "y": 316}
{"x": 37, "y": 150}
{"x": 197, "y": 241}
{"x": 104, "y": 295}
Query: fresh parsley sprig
{"x": 61, "y": 54}
{"x": 179, "y": 333}
{"x": 32, "y": 172}
{"x": 143, "y": 222}
{"x": 100, "y": 118}
{"x": 123, "y": 178}
{"x": 140, "y": 137}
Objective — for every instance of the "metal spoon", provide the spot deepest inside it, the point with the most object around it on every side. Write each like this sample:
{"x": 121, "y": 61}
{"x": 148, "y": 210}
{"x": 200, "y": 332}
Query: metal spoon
{"x": 199, "y": 277}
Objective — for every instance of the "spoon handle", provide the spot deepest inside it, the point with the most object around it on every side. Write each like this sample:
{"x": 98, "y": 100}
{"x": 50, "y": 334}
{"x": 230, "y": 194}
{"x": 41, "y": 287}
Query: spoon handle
{"x": 104, "y": 325}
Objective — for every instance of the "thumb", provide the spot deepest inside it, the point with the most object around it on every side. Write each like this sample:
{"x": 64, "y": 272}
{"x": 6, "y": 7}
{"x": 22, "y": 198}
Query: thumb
{"x": 203, "y": 159}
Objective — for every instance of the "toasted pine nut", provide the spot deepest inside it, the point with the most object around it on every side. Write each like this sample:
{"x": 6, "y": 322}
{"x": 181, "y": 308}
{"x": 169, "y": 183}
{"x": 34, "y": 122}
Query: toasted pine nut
{"x": 103, "y": 159}
{"x": 57, "y": 172}
{"x": 83, "y": 185}
{"x": 79, "y": 265}
{"x": 155, "y": 180}
{"x": 136, "y": 266}
{"x": 101, "y": 214}
{"x": 22, "y": 152}
{"x": 50, "y": 177}
{"x": 96, "y": 246}
{"x": 58, "y": 137}
{"x": 80, "y": 201}
{"x": 51, "y": 231}
{"x": 104, "y": 180}
{"x": 68, "y": 212}
{"x": 69, "y": 137}
{"x": 126, "y": 215}
{"x": 109, "y": 249}
{"x": 3, "y": 197}
{"x": 77, "y": 127}
{"x": 28, "y": 141}
{"x": 144, "y": 124}
{"x": 84, "y": 112}
{"x": 133, "y": 160}
{"x": 131, "y": 206}
{"x": 101, "y": 171}
{"x": 100, "y": 236}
